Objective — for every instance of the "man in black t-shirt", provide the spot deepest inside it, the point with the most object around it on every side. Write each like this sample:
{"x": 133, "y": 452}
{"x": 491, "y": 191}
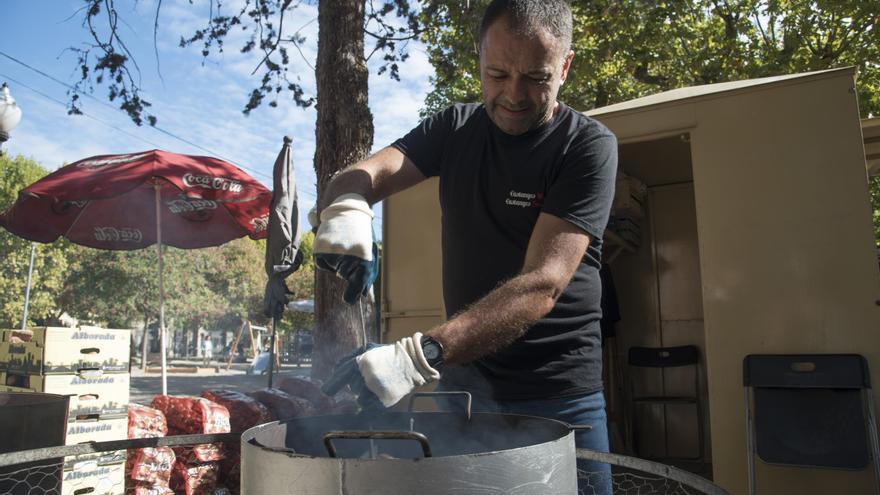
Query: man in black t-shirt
{"x": 526, "y": 185}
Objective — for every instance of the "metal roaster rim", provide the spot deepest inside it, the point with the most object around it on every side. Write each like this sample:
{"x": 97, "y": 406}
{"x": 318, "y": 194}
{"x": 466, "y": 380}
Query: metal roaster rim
{"x": 250, "y": 435}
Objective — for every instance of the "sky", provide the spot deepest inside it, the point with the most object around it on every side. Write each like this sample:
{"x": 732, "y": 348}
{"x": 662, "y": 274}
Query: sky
{"x": 197, "y": 100}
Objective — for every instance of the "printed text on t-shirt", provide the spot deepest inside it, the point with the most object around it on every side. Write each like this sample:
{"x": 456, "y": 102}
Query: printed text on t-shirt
{"x": 524, "y": 199}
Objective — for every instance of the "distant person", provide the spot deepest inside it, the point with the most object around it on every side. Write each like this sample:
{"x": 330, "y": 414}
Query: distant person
{"x": 207, "y": 349}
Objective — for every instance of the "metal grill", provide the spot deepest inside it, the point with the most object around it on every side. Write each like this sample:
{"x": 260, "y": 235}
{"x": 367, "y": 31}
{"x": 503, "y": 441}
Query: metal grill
{"x": 39, "y": 471}
{"x": 633, "y": 476}
{"x": 39, "y": 478}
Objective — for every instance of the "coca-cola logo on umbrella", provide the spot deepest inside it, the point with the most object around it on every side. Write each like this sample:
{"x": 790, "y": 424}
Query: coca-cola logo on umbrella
{"x": 181, "y": 205}
{"x": 106, "y": 162}
{"x": 193, "y": 209}
{"x": 211, "y": 182}
{"x": 260, "y": 224}
{"x": 123, "y": 234}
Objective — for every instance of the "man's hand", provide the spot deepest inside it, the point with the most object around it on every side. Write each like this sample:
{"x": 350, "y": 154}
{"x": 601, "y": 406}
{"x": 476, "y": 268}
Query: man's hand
{"x": 384, "y": 373}
{"x": 345, "y": 245}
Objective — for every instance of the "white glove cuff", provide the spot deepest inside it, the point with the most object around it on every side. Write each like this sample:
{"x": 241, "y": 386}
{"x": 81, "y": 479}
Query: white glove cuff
{"x": 347, "y": 203}
{"x": 346, "y": 228}
{"x": 392, "y": 371}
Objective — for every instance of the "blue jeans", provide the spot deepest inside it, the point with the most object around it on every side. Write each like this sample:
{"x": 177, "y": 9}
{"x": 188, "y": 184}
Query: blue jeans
{"x": 594, "y": 477}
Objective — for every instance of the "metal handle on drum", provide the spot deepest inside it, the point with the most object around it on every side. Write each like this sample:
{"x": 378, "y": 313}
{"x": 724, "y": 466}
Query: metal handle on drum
{"x": 376, "y": 435}
{"x": 467, "y": 397}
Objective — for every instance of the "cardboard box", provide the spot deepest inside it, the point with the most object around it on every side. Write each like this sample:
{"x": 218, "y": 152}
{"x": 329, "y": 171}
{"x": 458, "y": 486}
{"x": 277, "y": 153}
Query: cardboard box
{"x": 94, "y": 477}
{"x": 97, "y": 431}
{"x": 59, "y": 350}
{"x": 629, "y": 197}
{"x": 101, "y": 458}
{"x": 104, "y": 396}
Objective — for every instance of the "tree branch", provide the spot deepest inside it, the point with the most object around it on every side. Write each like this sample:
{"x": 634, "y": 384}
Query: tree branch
{"x": 155, "y": 40}
{"x": 113, "y": 16}
{"x": 299, "y": 49}
{"x": 761, "y": 29}
{"x": 850, "y": 36}
{"x": 389, "y": 38}
{"x": 277, "y": 39}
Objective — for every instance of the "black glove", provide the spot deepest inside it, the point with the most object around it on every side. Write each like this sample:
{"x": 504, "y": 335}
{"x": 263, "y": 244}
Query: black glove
{"x": 358, "y": 273}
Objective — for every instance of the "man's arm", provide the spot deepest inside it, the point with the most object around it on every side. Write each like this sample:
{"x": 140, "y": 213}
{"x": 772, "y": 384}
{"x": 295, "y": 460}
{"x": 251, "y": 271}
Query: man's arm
{"x": 383, "y": 375}
{"x": 554, "y": 252}
{"x": 375, "y": 178}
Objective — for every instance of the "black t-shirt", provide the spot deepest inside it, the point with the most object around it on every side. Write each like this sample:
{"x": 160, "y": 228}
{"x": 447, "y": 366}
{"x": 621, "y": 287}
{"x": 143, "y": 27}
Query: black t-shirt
{"x": 493, "y": 186}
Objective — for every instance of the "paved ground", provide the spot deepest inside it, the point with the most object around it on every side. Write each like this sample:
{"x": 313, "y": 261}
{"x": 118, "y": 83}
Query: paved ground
{"x": 144, "y": 386}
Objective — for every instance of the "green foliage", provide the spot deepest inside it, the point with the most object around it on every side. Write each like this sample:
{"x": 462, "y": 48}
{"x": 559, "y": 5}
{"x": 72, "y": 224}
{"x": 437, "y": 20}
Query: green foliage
{"x": 630, "y": 48}
{"x": 874, "y": 187}
{"x": 111, "y": 288}
{"x": 50, "y": 262}
{"x": 451, "y": 33}
{"x": 213, "y": 287}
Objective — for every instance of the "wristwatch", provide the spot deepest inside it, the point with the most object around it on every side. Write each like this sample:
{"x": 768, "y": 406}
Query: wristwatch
{"x": 433, "y": 351}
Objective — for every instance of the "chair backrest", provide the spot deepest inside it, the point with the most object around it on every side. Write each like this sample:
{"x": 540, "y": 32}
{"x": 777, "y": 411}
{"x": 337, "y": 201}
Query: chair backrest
{"x": 664, "y": 357}
{"x": 808, "y": 409}
{"x": 845, "y": 371}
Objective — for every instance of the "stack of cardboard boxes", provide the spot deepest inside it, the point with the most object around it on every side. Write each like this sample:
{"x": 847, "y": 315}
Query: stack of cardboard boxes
{"x": 628, "y": 209}
{"x": 91, "y": 365}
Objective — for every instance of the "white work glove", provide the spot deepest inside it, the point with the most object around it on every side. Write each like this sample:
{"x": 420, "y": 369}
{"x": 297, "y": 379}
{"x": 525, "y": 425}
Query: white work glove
{"x": 345, "y": 245}
{"x": 392, "y": 371}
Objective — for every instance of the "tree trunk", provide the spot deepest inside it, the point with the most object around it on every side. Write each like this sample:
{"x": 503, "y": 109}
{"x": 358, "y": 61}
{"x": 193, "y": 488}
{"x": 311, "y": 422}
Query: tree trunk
{"x": 344, "y": 135}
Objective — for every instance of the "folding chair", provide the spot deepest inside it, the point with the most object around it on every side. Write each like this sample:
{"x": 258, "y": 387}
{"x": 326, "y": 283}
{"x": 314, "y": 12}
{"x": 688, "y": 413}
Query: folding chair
{"x": 663, "y": 358}
{"x": 810, "y": 410}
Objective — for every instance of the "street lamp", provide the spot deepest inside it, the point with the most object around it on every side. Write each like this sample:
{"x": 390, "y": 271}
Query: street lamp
{"x": 10, "y": 114}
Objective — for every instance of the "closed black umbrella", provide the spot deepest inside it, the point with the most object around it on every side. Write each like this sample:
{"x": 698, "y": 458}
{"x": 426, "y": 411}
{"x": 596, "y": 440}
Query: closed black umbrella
{"x": 282, "y": 245}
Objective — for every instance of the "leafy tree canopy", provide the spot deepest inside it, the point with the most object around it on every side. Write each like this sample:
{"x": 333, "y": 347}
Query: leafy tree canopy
{"x": 50, "y": 260}
{"x": 631, "y": 48}
{"x": 213, "y": 287}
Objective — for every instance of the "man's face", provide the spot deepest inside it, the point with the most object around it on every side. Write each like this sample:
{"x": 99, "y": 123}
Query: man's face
{"x": 521, "y": 77}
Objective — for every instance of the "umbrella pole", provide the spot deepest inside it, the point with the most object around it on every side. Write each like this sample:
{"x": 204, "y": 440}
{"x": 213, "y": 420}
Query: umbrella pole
{"x": 27, "y": 289}
{"x": 272, "y": 351}
{"x": 161, "y": 291}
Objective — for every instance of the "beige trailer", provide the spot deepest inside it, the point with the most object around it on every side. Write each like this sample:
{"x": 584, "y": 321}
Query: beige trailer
{"x": 757, "y": 238}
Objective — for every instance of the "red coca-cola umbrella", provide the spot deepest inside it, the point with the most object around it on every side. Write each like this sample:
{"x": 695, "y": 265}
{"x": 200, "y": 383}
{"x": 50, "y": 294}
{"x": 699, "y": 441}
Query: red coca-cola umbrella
{"x": 132, "y": 201}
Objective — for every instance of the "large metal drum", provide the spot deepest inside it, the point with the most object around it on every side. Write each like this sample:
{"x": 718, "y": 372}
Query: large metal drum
{"x": 424, "y": 453}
